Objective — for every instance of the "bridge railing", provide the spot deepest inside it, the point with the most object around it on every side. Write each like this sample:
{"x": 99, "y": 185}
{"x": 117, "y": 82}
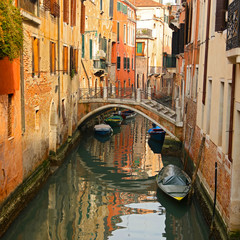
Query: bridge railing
{"x": 127, "y": 93}
{"x": 158, "y": 101}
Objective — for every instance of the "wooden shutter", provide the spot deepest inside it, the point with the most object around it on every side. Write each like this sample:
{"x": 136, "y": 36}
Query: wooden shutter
{"x": 118, "y": 62}
{"x": 35, "y": 63}
{"x": 186, "y": 25}
{"x": 221, "y": 8}
{"x": 71, "y": 60}
{"x": 90, "y": 48}
{"x": 82, "y": 30}
{"x": 50, "y": 51}
{"x": 175, "y": 42}
{"x": 73, "y": 13}
{"x": 181, "y": 38}
{"x": 65, "y": 59}
{"x": 76, "y": 60}
{"x": 66, "y": 11}
{"x": 111, "y": 8}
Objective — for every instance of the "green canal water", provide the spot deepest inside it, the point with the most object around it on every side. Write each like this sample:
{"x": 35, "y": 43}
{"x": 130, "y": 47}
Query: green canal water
{"x": 106, "y": 189}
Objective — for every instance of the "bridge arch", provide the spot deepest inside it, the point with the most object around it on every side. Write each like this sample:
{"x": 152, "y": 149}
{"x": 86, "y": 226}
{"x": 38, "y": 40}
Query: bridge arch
{"x": 99, "y": 110}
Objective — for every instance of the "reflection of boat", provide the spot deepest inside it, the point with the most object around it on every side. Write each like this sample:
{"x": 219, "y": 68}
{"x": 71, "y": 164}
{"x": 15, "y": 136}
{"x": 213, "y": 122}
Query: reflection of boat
{"x": 156, "y": 146}
{"x": 127, "y": 114}
{"x": 114, "y": 121}
{"x": 174, "y": 182}
{"x": 157, "y": 133}
{"x": 102, "y": 129}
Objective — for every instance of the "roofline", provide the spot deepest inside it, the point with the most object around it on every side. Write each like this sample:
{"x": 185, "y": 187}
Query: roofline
{"x": 130, "y": 4}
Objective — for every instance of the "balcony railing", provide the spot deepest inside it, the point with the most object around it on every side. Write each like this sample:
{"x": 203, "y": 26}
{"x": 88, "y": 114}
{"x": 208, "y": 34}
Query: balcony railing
{"x": 169, "y": 61}
{"x": 155, "y": 70}
{"x": 144, "y": 32}
{"x": 233, "y": 25}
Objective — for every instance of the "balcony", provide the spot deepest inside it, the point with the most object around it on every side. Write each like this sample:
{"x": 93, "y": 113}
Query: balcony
{"x": 9, "y": 75}
{"x": 99, "y": 66}
{"x": 155, "y": 70}
{"x": 233, "y": 32}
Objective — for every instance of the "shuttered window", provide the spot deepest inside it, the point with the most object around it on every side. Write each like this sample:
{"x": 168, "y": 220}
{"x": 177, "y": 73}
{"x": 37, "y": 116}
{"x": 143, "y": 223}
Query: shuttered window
{"x": 111, "y": 8}
{"x": 73, "y": 13}
{"x": 90, "y": 48}
{"x": 35, "y": 57}
{"x": 125, "y": 63}
{"x": 181, "y": 38}
{"x": 66, "y": 11}
{"x": 101, "y": 6}
{"x": 221, "y": 9}
{"x": 76, "y": 60}
{"x": 118, "y": 63}
{"x": 52, "y": 57}
{"x": 83, "y": 46}
{"x": 71, "y": 60}
{"x": 65, "y": 59}
{"x": 128, "y": 63}
{"x": 82, "y": 30}
{"x": 10, "y": 115}
{"x": 118, "y": 31}
{"x": 140, "y": 49}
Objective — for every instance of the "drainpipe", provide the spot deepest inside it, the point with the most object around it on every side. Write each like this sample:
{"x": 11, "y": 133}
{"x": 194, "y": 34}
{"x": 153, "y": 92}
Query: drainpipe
{"x": 230, "y": 140}
{"x": 59, "y": 97}
{"x": 147, "y": 59}
{"x": 206, "y": 53}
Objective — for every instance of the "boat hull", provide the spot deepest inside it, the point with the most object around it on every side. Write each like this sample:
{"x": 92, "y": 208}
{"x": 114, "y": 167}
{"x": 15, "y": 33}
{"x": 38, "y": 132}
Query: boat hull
{"x": 103, "y": 129}
{"x": 157, "y": 134}
{"x": 174, "y": 182}
{"x": 114, "y": 121}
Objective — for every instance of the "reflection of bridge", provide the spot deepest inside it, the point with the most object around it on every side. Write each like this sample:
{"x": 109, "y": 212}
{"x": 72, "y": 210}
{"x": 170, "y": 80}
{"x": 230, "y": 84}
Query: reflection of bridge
{"x": 162, "y": 110}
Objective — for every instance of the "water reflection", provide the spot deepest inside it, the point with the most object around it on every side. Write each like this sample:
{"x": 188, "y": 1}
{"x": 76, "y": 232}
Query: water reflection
{"x": 107, "y": 190}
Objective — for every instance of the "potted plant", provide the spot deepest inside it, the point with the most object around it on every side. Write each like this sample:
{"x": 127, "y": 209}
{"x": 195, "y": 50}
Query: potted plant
{"x": 11, "y": 42}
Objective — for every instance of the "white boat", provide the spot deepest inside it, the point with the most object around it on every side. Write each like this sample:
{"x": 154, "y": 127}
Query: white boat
{"x": 103, "y": 129}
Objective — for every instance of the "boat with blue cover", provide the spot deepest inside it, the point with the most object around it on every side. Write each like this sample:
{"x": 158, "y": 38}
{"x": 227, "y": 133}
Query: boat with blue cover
{"x": 157, "y": 133}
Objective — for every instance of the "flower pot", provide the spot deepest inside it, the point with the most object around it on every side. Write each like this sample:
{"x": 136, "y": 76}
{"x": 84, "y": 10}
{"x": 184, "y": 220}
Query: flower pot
{"x": 9, "y": 75}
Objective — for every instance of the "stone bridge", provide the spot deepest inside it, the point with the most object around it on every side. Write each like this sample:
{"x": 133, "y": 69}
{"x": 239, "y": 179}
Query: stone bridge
{"x": 95, "y": 102}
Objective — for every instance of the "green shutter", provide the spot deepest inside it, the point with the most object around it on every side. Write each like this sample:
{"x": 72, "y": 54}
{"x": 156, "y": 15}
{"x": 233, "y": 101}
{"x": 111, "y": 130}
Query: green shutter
{"x": 118, "y": 6}
{"x": 139, "y": 47}
{"x": 83, "y": 46}
{"x": 90, "y": 48}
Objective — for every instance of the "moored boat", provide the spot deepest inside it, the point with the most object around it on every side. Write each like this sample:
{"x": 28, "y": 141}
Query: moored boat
{"x": 103, "y": 129}
{"x": 114, "y": 121}
{"x": 174, "y": 182}
{"x": 127, "y": 114}
{"x": 157, "y": 133}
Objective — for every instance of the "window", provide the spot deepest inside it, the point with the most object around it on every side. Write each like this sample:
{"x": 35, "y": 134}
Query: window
{"x": 221, "y": 9}
{"x": 125, "y": 34}
{"x": 90, "y": 48}
{"x": 83, "y": 45}
{"x": 125, "y": 63}
{"x": 128, "y": 63}
{"x": 66, "y": 11}
{"x": 10, "y": 115}
{"x": 140, "y": 49}
{"x": 35, "y": 57}
{"x": 111, "y": 8}
{"x": 118, "y": 31}
{"x": 220, "y": 114}
{"x": 52, "y": 57}
{"x": 76, "y": 60}
{"x": 101, "y": 6}
{"x": 73, "y": 13}
{"x": 82, "y": 27}
{"x": 65, "y": 59}
{"x": 118, "y": 63}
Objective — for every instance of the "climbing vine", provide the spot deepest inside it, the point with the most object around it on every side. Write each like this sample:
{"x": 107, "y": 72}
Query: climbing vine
{"x": 11, "y": 31}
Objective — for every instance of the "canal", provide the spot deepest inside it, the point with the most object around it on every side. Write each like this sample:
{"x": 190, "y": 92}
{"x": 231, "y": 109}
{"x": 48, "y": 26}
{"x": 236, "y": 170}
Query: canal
{"x": 106, "y": 189}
